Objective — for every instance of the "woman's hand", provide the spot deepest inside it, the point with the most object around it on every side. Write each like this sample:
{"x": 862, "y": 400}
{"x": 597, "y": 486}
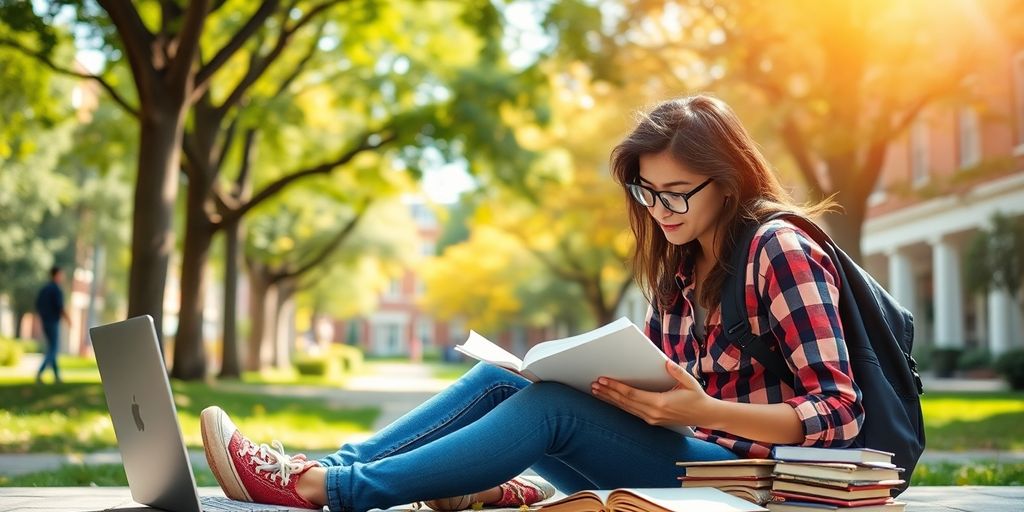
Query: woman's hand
{"x": 685, "y": 404}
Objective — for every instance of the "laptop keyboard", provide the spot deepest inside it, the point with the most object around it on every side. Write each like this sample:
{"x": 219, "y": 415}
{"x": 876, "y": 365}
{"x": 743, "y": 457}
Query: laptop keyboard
{"x": 221, "y": 504}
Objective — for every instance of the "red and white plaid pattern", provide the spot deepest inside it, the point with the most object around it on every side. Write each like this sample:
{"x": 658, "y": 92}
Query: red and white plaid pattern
{"x": 795, "y": 298}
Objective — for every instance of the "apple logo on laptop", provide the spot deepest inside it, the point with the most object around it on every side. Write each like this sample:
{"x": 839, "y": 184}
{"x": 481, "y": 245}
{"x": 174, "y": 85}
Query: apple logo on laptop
{"x": 138, "y": 416}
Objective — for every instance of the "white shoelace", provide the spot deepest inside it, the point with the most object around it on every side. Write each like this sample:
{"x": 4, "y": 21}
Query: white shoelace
{"x": 273, "y": 460}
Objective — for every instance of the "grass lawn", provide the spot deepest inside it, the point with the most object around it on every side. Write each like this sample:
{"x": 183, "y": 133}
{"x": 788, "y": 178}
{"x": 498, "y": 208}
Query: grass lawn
{"x": 974, "y": 421}
{"x": 975, "y": 473}
{"x": 72, "y": 417}
{"x": 80, "y": 476}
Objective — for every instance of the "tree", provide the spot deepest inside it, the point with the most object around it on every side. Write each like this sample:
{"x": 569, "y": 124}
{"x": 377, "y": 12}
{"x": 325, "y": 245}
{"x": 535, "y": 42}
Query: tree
{"x": 995, "y": 257}
{"x": 836, "y": 82}
{"x": 34, "y": 195}
{"x": 374, "y": 121}
{"x": 293, "y": 248}
{"x": 557, "y": 247}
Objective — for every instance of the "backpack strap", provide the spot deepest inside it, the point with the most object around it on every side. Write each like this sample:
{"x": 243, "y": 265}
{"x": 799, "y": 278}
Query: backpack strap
{"x": 735, "y": 322}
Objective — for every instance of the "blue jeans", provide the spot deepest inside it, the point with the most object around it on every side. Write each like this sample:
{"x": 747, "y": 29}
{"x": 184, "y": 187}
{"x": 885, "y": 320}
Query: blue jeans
{"x": 51, "y": 331}
{"x": 489, "y": 427}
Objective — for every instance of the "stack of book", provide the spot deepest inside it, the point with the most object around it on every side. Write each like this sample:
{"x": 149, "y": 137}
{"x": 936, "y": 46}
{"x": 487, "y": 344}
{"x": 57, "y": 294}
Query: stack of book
{"x": 749, "y": 479}
{"x": 823, "y": 479}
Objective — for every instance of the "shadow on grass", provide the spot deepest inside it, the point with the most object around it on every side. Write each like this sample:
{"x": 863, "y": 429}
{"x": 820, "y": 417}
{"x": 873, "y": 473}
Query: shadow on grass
{"x": 72, "y": 417}
{"x": 997, "y": 432}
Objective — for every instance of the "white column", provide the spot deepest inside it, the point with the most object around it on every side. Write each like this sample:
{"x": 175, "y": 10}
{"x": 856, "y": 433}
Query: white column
{"x": 1000, "y": 318}
{"x": 901, "y": 279}
{"x": 948, "y": 295}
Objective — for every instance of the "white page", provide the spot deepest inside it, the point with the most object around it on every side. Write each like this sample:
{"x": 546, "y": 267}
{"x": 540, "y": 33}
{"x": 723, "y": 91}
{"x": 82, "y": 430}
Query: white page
{"x": 623, "y": 354}
{"x": 703, "y": 499}
{"x": 480, "y": 348}
{"x": 546, "y": 349}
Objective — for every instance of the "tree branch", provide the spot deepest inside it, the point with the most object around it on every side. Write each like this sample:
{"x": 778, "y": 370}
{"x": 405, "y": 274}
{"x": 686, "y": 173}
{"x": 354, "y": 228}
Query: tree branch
{"x": 263, "y": 63}
{"x": 797, "y": 146}
{"x": 188, "y": 43}
{"x": 326, "y": 251}
{"x": 138, "y": 41}
{"x": 266, "y": 8}
{"x": 41, "y": 57}
{"x": 322, "y": 168}
{"x": 301, "y": 65}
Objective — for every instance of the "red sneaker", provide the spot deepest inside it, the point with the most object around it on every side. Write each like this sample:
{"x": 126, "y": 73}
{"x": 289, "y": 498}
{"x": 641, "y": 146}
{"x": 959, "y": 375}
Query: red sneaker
{"x": 519, "y": 491}
{"x": 247, "y": 472}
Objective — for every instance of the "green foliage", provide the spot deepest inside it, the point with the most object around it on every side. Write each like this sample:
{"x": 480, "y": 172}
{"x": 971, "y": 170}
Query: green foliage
{"x": 1011, "y": 366}
{"x": 974, "y": 359}
{"x": 972, "y": 473}
{"x": 320, "y": 366}
{"x": 995, "y": 256}
{"x": 349, "y": 358}
{"x": 10, "y": 352}
{"x": 945, "y": 361}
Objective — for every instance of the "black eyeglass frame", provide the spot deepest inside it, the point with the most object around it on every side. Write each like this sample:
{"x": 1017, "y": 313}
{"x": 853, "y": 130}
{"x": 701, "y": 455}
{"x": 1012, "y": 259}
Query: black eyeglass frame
{"x": 637, "y": 195}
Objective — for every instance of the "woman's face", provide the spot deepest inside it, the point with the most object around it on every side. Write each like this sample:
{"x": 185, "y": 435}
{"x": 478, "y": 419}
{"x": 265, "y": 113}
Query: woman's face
{"x": 662, "y": 173}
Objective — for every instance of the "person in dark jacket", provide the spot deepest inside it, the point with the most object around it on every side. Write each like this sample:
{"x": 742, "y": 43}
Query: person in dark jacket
{"x": 50, "y": 307}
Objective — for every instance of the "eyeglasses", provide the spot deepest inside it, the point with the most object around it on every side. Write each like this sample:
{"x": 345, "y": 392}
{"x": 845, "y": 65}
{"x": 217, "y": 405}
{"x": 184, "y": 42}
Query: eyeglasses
{"x": 678, "y": 202}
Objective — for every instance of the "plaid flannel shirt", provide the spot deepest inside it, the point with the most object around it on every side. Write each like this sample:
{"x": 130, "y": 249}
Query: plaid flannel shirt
{"x": 795, "y": 299}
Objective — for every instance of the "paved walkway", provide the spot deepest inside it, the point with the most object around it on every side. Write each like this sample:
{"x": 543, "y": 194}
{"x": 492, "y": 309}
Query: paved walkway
{"x": 86, "y": 499}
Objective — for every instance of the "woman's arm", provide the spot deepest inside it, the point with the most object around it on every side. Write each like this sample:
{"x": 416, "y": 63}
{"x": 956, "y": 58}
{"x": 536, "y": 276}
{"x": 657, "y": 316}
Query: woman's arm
{"x": 800, "y": 288}
{"x": 688, "y": 404}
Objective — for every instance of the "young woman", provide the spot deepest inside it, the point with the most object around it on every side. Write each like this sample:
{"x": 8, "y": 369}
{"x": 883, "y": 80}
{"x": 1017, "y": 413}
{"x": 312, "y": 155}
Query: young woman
{"x": 691, "y": 175}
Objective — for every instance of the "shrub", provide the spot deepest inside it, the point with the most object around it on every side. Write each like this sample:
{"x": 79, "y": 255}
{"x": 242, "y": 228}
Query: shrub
{"x": 944, "y": 361}
{"x": 318, "y": 366}
{"x": 10, "y": 352}
{"x": 349, "y": 358}
{"x": 974, "y": 359}
{"x": 1011, "y": 366}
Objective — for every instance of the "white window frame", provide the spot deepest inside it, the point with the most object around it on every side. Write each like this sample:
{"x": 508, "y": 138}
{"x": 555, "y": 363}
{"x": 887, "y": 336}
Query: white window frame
{"x": 968, "y": 130}
{"x": 1018, "y": 96}
{"x": 919, "y": 152}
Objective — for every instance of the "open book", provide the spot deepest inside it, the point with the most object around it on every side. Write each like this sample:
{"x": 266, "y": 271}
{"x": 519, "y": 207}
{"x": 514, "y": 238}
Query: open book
{"x": 651, "y": 500}
{"x": 618, "y": 350}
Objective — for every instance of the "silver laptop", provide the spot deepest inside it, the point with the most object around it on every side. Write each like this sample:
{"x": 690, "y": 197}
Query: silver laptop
{"x": 146, "y": 422}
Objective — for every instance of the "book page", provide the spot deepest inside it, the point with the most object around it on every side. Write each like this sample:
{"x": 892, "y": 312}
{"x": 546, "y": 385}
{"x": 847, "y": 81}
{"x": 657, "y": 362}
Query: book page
{"x": 618, "y": 351}
{"x": 549, "y": 348}
{"x": 675, "y": 498}
{"x": 480, "y": 348}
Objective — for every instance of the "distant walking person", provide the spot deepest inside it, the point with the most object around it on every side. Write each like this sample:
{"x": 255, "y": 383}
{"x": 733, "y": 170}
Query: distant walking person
{"x": 50, "y": 306}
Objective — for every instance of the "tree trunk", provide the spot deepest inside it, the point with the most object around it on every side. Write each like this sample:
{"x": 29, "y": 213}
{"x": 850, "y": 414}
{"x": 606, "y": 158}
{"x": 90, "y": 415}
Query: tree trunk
{"x": 846, "y": 226}
{"x": 284, "y": 318}
{"x": 231, "y": 363}
{"x": 156, "y": 191}
{"x": 263, "y": 298}
{"x": 19, "y": 318}
{"x": 189, "y": 353}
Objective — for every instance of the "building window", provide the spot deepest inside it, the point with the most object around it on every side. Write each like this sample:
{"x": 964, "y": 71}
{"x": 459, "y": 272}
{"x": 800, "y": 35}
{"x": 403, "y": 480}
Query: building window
{"x": 394, "y": 290}
{"x": 919, "y": 152}
{"x": 1018, "y": 89}
{"x": 969, "y": 135}
{"x": 425, "y": 331}
{"x": 387, "y": 338}
{"x": 427, "y": 249}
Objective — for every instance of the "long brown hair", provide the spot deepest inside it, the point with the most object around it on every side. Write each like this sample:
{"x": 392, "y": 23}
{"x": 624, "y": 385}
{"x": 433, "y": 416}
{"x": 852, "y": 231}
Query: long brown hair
{"x": 704, "y": 134}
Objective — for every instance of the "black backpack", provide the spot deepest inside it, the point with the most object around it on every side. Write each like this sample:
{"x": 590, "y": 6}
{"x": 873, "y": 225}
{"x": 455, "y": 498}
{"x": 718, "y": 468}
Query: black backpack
{"x": 879, "y": 336}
